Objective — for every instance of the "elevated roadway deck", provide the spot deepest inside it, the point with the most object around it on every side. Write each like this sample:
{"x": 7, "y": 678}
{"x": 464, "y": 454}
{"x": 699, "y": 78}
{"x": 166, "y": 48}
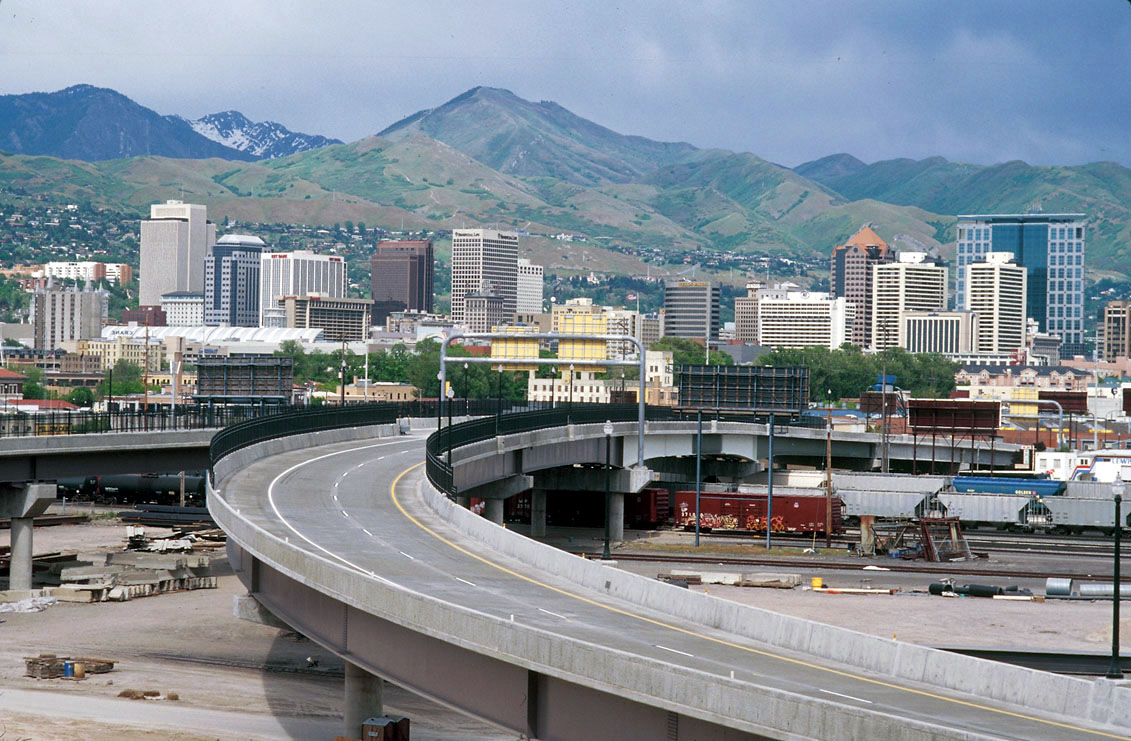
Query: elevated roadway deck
{"x": 344, "y": 539}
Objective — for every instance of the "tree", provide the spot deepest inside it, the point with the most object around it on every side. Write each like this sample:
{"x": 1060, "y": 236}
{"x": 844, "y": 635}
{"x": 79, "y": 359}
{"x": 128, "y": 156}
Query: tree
{"x": 81, "y": 396}
{"x": 33, "y": 386}
{"x": 126, "y": 378}
{"x": 689, "y": 352}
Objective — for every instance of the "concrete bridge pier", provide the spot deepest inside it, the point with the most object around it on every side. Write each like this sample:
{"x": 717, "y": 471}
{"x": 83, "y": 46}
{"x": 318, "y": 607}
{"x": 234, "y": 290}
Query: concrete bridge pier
{"x": 538, "y": 513}
{"x": 616, "y": 516}
{"x": 363, "y": 699}
{"x": 493, "y": 511}
{"x": 22, "y": 503}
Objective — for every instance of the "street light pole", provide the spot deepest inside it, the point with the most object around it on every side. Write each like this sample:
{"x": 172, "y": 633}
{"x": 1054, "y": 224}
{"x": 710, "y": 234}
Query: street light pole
{"x": 698, "y": 469}
{"x": 829, "y": 473}
{"x": 569, "y": 414}
{"x": 466, "y": 392}
{"x": 1116, "y": 671}
{"x": 608, "y": 430}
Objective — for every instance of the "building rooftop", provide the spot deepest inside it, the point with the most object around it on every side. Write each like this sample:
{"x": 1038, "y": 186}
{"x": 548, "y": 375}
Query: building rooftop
{"x": 1022, "y": 217}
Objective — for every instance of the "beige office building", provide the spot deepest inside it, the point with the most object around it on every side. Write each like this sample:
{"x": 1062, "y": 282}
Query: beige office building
{"x": 65, "y": 316}
{"x": 915, "y": 282}
{"x": 340, "y": 319}
{"x": 996, "y": 292}
{"x": 174, "y": 243}
{"x": 943, "y": 332}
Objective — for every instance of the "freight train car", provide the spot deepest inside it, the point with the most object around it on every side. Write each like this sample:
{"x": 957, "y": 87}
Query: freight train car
{"x": 1029, "y": 487}
{"x": 734, "y": 510}
{"x": 146, "y": 488}
{"x": 647, "y": 509}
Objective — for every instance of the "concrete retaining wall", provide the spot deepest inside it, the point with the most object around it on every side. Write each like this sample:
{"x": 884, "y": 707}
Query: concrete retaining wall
{"x": 1078, "y": 699}
{"x": 709, "y": 697}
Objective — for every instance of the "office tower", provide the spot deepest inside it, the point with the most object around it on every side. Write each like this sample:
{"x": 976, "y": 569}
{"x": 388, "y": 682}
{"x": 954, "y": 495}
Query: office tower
{"x": 340, "y": 319}
{"x": 995, "y": 291}
{"x": 174, "y": 243}
{"x": 746, "y": 314}
{"x": 298, "y": 273}
{"x": 914, "y": 283}
{"x": 231, "y": 281}
{"x": 529, "y": 287}
{"x": 803, "y": 319}
{"x": 1051, "y": 248}
{"x": 63, "y": 316}
{"x": 1117, "y": 330}
{"x": 484, "y": 260}
{"x": 483, "y": 311}
{"x": 183, "y": 309}
{"x": 943, "y": 332}
{"x": 850, "y": 277}
{"x": 401, "y": 278}
{"x": 691, "y": 309}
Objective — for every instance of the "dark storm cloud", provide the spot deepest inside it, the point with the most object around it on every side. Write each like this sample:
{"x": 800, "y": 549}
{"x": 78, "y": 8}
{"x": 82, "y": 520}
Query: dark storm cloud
{"x": 977, "y": 81}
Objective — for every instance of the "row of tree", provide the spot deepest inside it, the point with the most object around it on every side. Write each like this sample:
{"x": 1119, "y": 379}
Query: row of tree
{"x": 844, "y": 373}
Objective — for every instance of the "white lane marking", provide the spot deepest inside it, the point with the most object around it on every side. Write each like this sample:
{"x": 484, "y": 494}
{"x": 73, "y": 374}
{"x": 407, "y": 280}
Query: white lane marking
{"x": 335, "y": 496}
{"x": 563, "y": 617}
{"x": 681, "y": 653}
{"x": 410, "y": 558}
{"x": 847, "y": 697}
{"x": 279, "y": 515}
{"x": 367, "y": 532}
{"x": 465, "y": 581}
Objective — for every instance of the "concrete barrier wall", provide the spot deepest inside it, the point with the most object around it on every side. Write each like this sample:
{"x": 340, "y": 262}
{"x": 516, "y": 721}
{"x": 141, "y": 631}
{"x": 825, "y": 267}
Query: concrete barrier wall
{"x": 713, "y": 698}
{"x": 1080, "y": 699}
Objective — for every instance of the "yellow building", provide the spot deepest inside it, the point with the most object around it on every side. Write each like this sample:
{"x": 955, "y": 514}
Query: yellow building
{"x": 109, "y": 352}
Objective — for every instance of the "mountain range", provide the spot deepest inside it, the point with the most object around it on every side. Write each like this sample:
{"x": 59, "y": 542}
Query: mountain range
{"x": 491, "y": 157}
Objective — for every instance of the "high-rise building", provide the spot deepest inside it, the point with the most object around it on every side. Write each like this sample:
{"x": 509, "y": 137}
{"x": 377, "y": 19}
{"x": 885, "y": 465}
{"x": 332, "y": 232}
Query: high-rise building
{"x": 1051, "y": 247}
{"x": 850, "y": 277}
{"x": 484, "y": 260}
{"x": 746, "y": 314}
{"x": 231, "y": 281}
{"x": 530, "y": 280}
{"x": 914, "y": 283}
{"x": 401, "y": 278}
{"x": 298, "y": 273}
{"x": 63, "y": 316}
{"x": 174, "y": 243}
{"x": 691, "y": 309}
{"x": 1117, "y": 330}
{"x": 943, "y": 332}
{"x": 183, "y": 309}
{"x": 995, "y": 291}
{"x": 803, "y": 319}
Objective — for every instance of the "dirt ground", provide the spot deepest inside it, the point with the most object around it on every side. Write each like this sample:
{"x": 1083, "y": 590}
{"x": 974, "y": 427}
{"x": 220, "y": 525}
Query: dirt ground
{"x": 255, "y": 679}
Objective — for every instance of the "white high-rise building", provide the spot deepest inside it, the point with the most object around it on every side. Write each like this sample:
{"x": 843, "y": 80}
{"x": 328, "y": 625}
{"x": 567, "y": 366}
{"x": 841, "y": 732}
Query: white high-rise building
{"x": 803, "y": 319}
{"x": 530, "y": 278}
{"x": 298, "y": 273}
{"x": 914, "y": 282}
{"x": 996, "y": 292}
{"x": 484, "y": 260}
{"x": 174, "y": 244}
{"x": 63, "y": 316}
{"x": 183, "y": 309}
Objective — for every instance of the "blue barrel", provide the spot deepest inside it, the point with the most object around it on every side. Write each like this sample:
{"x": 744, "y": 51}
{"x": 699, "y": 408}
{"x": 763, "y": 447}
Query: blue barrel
{"x": 68, "y": 668}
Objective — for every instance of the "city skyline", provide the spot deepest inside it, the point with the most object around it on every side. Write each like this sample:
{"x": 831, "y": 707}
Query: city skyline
{"x": 902, "y": 78}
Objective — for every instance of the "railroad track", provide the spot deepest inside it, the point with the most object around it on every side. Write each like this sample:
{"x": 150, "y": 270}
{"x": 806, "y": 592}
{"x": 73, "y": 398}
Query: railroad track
{"x": 905, "y": 567}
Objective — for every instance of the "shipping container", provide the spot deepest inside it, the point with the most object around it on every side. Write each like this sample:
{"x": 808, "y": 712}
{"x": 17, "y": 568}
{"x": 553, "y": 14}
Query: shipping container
{"x": 722, "y": 510}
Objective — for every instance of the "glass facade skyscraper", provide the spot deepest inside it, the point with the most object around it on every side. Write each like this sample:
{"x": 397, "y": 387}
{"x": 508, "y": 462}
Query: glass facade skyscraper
{"x": 1051, "y": 249}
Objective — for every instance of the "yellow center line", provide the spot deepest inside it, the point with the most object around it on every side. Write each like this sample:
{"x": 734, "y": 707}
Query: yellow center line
{"x": 721, "y": 641}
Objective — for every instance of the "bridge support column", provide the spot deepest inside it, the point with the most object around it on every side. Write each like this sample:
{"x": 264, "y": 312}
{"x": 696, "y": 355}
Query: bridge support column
{"x": 494, "y": 511}
{"x": 22, "y": 503}
{"x": 538, "y": 513}
{"x": 616, "y": 516}
{"x": 363, "y": 699}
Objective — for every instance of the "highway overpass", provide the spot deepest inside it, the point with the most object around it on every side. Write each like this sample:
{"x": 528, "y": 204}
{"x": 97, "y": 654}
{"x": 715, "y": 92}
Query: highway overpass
{"x": 338, "y": 533}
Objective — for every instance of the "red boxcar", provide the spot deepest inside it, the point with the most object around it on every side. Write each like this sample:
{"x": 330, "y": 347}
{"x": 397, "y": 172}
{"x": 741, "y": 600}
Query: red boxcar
{"x": 731, "y": 510}
{"x": 647, "y": 509}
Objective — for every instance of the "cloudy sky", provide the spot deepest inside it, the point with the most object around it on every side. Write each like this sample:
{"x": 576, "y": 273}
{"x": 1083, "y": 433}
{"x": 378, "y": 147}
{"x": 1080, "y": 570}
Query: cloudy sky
{"x": 972, "y": 80}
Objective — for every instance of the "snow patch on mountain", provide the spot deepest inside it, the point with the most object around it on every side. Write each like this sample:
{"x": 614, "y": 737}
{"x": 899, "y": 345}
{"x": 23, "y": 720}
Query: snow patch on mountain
{"x": 265, "y": 140}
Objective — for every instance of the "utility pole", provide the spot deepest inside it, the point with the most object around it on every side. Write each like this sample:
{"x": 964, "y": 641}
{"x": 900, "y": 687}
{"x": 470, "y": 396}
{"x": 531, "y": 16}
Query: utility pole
{"x": 829, "y": 473}
{"x": 342, "y": 392}
{"x": 884, "y": 404}
{"x": 145, "y": 362}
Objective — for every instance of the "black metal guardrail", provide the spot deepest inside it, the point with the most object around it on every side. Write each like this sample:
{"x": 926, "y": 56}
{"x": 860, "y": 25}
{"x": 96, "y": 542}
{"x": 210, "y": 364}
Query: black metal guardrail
{"x": 497, "y": 417}
{"x": 85, "y": 422}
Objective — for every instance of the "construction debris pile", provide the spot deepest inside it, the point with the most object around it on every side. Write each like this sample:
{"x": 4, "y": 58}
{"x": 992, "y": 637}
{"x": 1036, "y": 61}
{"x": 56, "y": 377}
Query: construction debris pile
{"x": 50, "y": 666}
{"x": 123, "y": 576}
